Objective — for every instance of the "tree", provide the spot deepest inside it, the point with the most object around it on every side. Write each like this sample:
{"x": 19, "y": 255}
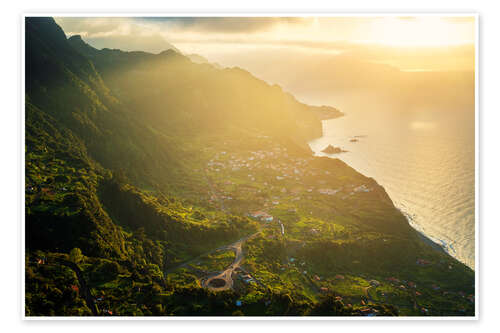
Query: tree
{"x": 76, "y": 255}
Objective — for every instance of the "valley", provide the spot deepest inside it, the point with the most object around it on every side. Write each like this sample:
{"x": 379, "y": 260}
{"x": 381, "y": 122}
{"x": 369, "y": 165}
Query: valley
{"x": 184, "y": 189}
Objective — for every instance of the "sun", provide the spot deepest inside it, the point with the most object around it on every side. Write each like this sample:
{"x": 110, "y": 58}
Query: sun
{"x": 422, "y": 31}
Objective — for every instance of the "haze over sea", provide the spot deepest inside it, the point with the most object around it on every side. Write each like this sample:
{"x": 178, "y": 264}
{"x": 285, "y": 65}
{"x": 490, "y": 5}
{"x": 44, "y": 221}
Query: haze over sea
{"x": 424, "y": 159}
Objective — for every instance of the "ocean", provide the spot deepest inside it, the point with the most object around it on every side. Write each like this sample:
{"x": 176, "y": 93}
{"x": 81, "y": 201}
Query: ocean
{"x": 426, "y": 163}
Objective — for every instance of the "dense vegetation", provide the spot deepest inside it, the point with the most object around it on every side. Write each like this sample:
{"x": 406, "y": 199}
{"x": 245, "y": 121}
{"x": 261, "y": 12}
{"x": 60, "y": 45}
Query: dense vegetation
{"x": 142, "y": 169}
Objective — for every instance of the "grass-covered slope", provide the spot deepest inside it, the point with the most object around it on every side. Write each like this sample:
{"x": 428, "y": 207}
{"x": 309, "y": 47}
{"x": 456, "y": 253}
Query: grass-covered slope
{"x": 142, "y": 170}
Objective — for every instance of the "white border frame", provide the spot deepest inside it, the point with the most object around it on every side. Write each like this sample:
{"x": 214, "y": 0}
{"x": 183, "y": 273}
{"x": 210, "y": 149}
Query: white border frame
{"x": 246, "y": 14}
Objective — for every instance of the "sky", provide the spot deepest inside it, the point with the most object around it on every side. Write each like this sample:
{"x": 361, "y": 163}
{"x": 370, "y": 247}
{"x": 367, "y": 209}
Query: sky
{"x": 309, "y": 56}
{"x": 401, "y": 38}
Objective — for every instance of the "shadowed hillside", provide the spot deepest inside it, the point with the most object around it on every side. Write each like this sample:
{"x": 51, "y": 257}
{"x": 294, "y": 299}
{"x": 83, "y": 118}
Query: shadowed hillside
{"x": 144, "y": 170}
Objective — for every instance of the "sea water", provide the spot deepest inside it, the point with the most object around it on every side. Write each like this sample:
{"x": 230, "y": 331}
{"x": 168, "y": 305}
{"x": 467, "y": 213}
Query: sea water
{"x": 426, "y": 163}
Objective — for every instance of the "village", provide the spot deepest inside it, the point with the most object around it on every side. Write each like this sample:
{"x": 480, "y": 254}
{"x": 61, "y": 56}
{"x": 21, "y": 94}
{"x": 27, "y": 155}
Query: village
{"x": 272, "y": 185}
{"x": 286, "y": 193}
{"x": 270, "y": 178}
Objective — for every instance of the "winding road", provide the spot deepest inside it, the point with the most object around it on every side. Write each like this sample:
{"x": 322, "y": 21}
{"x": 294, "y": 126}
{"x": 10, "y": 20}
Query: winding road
{"x": 223, "y": 280}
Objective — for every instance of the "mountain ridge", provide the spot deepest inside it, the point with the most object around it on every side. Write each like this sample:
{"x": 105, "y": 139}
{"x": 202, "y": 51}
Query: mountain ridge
{"x": 137, "y": 168}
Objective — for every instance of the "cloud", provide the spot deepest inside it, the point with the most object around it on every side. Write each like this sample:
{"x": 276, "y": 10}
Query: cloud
{"x": 320, "y": 60}
{"x": 155, "y": 34}
{"x": 226, "y": 24}
{"x": 116, "y": 32}
{"x": 95, "y": 26}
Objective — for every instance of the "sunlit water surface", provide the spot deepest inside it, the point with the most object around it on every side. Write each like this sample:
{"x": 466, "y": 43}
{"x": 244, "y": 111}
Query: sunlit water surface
{"x": 425, "y": 161}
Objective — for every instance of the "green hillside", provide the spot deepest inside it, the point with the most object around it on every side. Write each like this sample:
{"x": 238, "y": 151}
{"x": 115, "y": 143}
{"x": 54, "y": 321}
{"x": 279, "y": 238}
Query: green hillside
{"x": 143, "y": 172}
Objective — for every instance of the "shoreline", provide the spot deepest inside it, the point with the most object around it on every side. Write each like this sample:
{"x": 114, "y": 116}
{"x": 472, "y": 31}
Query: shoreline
{"x": 437, "y": 244}
{"x": 430, "y": 242}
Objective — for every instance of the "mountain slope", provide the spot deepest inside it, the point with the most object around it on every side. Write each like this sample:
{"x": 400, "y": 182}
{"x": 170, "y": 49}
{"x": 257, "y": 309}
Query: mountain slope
{"x": 164, "y": 84}
{"x": 142, "y": 170}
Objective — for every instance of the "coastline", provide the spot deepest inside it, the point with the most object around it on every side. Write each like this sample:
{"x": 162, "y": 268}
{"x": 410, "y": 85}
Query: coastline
{"x": 430, "y": 242}
{"x": 441, "y": 245}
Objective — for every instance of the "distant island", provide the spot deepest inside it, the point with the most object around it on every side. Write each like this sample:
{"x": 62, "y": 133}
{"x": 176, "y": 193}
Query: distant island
{"x": 333, "y": 150}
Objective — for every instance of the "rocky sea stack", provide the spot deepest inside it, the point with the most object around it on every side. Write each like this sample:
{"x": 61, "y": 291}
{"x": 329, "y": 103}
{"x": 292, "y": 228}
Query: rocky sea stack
{"x": 333, "y": 150}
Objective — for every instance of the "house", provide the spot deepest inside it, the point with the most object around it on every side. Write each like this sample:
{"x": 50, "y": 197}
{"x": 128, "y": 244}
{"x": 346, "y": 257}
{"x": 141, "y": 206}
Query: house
{"x": 374, "y": 283}
{"x": 263, "y": 216}
{"x": 267, "y": 218}
{"x": 47, "y": 190}
{"x": 257, "y": 214}
{"x": 362, "y": 188}
{"x": 74, "y": 288}
{"x": 238, "y": 303}
{"x": 339, "y": 277}
{"x": 328, "y": 191}
{"x": 317, "y": 278}
{"x": 323, "y": 289}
